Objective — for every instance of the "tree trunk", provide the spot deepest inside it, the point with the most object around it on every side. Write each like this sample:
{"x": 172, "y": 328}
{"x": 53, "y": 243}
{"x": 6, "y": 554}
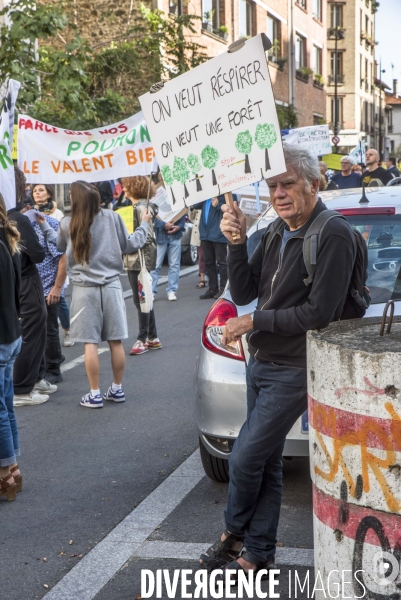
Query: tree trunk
{"x": 247, "y": 165}
{"x": 186, "y": 193}
{"x": 267, "y": 161}
{"x": 172, "y": 193}
{"x": 214, "y": 180}
{"x": 198, "y": 184}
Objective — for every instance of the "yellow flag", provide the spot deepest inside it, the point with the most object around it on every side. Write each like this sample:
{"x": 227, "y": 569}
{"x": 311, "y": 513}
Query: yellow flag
{"x": 14, "y": 148}
{"x": 127, "y": 215}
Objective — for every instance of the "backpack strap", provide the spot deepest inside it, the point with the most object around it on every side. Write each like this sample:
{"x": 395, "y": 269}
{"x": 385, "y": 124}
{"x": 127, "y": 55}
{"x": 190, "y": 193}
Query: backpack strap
{"x": 312, "y": 239}
{"x": 276, "y": 227}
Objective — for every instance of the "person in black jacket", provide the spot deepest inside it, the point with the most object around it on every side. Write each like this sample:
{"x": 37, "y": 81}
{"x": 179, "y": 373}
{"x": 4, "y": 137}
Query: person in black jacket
{"x": 27, "y": 389}
{"x": 276, "y": 373}
{"x": 214, "y": 245}
{"x": 10, "y": 345}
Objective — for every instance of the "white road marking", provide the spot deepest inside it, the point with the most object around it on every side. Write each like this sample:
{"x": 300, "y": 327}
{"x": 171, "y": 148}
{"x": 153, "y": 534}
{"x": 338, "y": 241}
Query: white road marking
{"x": 78, "y": 361}
{"x": 129, "y": 539}
{"x": 95, "y": 570}
{"x": 300, "y": 557}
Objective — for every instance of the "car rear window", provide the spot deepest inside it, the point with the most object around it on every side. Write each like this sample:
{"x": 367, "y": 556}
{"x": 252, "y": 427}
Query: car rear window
{"x": 382, "y": 234}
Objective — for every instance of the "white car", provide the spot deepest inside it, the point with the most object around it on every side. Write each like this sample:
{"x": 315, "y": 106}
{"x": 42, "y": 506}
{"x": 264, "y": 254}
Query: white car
{"x": 220, "y": 390}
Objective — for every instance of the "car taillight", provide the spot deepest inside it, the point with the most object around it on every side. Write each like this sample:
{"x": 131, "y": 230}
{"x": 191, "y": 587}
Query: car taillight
{"x": 213, "y": 327}
{"x": 367, "y": 210}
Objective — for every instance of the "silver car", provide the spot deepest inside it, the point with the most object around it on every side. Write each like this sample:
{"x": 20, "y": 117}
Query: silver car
{"x": 220, "y": 390}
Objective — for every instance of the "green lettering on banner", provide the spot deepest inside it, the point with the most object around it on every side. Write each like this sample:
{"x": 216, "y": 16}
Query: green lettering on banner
{"x": 103, "y": 147}
{"x": 144, "y": 133}
{"x": 4, "y": 157}
{"x": 131, "y": 137}
{"x": 73, "y": 147}
{"x": 86, "y": 147}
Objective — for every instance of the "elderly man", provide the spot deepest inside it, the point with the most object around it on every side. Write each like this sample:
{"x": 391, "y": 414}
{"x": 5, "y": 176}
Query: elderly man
{"x": 276, "y": 373}
{"x": 347, "y": 178}
{"x": 375, "y": 171}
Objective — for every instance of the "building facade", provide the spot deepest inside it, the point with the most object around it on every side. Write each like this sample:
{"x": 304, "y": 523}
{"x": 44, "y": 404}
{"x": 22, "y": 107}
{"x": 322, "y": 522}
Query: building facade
{"x": 393, "y": 105}
{"x": 352, "y": 99}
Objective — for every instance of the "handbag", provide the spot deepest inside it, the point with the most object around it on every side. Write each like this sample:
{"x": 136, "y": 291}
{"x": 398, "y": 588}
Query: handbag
{"x": 144, "y": 286}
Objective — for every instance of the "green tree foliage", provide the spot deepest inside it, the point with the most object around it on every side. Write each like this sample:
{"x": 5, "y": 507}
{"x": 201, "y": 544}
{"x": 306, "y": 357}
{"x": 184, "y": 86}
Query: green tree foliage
{"x": 210, "y": 156}
{"x": 69, "y": 82}
{"x": 181, "y": 172}
{"x": 244, "y": 143}
{"x": 287, "y": 117}
{"x": 265, "y": 137}
{"x": 195, "y": 166}
{"x": 168, "y": 179}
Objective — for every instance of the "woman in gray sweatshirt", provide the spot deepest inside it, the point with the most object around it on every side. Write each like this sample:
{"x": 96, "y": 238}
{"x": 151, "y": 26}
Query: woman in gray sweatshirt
{"x": 94, "y": 240}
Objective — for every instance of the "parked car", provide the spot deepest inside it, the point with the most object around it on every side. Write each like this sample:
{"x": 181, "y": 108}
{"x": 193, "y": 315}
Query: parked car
{"x": 220, "y": 403}
{"x": 189, "y": 253}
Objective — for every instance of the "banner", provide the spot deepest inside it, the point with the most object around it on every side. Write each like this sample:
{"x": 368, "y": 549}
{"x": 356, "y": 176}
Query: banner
{"x": 359, "y": 152}
{"x": 49, "y": 154}
{"x": 315, "y": 138}
{"x": 7, "y": 177}
{"x": 215, "y": 128}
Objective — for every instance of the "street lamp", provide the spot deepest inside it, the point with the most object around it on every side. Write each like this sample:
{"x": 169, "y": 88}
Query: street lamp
{"x": 380, "y": 112}
{"x": 339, "y": 35}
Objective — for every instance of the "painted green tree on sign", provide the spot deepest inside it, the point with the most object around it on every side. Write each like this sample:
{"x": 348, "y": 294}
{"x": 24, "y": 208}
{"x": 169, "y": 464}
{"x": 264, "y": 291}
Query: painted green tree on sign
{"x": 244, "y": 143}
{"x": 181, "y": 172}
{"x": 168, "y": 178}
{"x": 210, "y": 156}
{"x": 195, "y": 166}
{"x": 265, "y": 137}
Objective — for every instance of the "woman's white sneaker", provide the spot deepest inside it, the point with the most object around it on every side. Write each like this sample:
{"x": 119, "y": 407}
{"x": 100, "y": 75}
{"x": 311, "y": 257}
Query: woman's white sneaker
{"x": 45, "y": 387}
{"x": 30, "y": 399}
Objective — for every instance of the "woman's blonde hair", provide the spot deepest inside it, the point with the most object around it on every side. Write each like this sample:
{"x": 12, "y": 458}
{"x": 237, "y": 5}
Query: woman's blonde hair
{"x": 12, "y": 233}
{"x": 138, "y": 186}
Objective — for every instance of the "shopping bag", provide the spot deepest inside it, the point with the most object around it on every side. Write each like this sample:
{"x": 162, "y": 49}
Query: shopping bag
{"x": 144, "y": 286}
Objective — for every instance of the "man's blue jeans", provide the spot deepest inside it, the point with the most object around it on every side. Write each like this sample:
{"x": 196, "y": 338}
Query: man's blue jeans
{"x": 9, "y": 440}
{"x": 173, "y": 249}
{"x": 276, "y": 397}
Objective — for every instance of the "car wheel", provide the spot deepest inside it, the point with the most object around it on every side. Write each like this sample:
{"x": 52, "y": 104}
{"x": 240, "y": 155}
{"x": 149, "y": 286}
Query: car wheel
{"x": 190, "y": 256}
{"x": 215, "y": 468}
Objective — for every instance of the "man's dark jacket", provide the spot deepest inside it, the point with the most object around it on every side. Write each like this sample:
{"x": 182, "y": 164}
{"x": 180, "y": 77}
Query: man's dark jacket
{"x": 32, "y": 252}
{"x": 286, "y": 307}
{"x": 210, "y": 230}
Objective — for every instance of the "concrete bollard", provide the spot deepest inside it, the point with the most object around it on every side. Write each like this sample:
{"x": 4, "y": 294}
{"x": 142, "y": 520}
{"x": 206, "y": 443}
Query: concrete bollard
{"x": 354, "y": 387}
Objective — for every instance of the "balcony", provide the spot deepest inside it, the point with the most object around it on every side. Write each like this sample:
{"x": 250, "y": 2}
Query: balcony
{"x": 340, "y": 79}
{"x": 318, "y": 82}
{"x": 390, "y": 128}
{"x": 303, "y": 74}
{"x": 278, "y": 60}
{"x": 333, "y": 31}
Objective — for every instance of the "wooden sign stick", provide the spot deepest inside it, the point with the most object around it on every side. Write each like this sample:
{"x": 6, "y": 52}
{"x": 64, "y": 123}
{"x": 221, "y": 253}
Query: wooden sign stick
{"x": 230, "y": 202}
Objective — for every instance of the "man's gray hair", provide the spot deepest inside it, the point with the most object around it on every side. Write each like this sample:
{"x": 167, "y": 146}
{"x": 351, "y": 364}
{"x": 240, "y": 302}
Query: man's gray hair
{"x": 350, "y": 159}
{"x": 302, "y": 161}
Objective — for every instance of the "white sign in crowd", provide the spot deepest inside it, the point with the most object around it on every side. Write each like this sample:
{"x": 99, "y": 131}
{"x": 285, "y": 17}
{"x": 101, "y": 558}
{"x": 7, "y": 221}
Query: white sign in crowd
{"x": 215, "y": 129}
{"x": 7, "y": 178}
{"x": 315, "y": 138}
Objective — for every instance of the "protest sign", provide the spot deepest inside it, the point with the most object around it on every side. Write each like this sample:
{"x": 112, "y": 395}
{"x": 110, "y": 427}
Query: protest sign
{"x": 166, "y": 212}
{"x": 127, "y": 215}
{"x": 215, "y": 128}
{"x": 359, "y": 152}
{"x": 315, "y": 138}
{"x": 50, "y": 154}
{"x": 7, "y": 178}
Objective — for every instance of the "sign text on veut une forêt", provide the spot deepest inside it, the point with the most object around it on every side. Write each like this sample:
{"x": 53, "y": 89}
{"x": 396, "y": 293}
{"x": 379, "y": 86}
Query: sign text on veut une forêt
{"x": 215, "y": 128}
{"x": 49, "y": 154}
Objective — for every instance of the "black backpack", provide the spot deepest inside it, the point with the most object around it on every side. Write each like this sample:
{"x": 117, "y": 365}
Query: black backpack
{"x": 357, "y": 300}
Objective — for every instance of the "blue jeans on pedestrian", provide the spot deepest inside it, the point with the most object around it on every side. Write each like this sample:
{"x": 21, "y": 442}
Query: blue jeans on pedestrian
{"x": 276, "y": 398}
{"x": 173, "y": 249}
{"x": 64, "y": 314}
{"x": 9, "y": 440}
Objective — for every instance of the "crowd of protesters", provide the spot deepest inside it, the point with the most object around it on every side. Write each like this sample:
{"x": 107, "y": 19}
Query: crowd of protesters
{"x": 36, "y": 253}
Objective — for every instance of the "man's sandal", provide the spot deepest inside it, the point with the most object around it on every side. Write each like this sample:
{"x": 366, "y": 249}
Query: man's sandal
{"x": 221, "y": 553}
{"x": 235, "y": 566}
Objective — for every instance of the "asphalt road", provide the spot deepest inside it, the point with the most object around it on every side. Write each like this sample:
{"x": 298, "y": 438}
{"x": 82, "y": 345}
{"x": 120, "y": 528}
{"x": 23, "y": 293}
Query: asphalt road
{"x": 85, "y": 471}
